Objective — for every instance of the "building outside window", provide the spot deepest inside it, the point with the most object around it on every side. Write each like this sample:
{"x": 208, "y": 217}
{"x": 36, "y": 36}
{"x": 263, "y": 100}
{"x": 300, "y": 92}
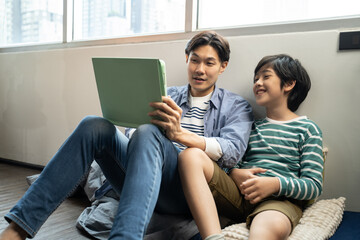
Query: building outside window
{"x": 41, "y": 21}
{"x": 30, "y": 21}
{"x": 119, "y": 18}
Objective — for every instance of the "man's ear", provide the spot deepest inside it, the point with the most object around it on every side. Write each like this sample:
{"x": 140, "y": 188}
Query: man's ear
{"x": 289, "y": 86}
{"x": 187, "y": 58}
{"x": 223, "y": 66}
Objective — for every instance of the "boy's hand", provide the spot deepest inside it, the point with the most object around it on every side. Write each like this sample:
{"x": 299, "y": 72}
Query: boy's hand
{"x": 256, "y": 189}
{"x": 168, "y": 115}
{"x": 241, "y": 175}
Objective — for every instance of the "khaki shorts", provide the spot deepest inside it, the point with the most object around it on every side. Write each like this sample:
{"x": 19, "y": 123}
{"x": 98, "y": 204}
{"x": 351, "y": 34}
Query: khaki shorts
{"x": 231, "y": 203}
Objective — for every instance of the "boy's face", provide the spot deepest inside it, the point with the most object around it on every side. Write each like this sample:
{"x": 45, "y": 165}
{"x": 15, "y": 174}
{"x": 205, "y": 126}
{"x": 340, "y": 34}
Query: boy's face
{"x": 267, "y": 89}
{"x": 204, "y": 67}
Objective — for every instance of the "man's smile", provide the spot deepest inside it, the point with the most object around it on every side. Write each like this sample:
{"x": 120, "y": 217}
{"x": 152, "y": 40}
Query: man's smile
{"x": 198, "y": 79}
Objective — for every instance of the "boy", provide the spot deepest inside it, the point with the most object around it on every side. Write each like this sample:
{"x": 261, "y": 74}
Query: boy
{"x": 144, "y": 170}
{"x": 281, "y": 168}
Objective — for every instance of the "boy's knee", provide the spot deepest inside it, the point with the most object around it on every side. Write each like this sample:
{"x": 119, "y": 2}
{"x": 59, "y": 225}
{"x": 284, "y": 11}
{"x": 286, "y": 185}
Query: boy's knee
{"x": 184, "y": 160}
{"x": 195, "y": 158}
{"x": 190, "y": 156}
{"x": 272, "y": 224}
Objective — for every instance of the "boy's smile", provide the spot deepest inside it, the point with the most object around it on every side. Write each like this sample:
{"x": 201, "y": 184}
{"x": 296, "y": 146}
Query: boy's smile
{"x": 270, "y": 94}
{"x": 267, "y": 88}
{"x": 260, "y": 91}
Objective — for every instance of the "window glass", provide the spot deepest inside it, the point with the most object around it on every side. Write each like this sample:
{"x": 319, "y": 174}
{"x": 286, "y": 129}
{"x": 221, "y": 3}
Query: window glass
{"x": 230, "y": 13}
{"x": 117, "y": 18}
{"x": 30, "y": 21}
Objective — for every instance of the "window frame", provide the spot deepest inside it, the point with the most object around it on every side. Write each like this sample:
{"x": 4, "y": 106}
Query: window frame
{"x": 191, "y": 28}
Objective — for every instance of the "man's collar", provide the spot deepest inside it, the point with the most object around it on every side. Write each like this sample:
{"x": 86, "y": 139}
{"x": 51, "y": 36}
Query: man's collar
{"x": 184, "y": 97}
{"x": 214, "y": 100}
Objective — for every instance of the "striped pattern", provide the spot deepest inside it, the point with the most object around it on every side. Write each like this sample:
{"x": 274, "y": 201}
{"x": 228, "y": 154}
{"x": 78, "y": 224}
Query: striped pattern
{"x": 291, "y": 151}
{"x": 193, "y": 120}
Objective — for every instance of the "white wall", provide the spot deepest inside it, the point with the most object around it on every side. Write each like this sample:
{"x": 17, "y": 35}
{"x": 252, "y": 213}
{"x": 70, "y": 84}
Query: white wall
{"x": 44, "y": 94}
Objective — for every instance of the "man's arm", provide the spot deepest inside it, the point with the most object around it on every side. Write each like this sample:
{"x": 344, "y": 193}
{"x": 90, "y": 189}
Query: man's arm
{"x": 170, "y": 114}
{"x": 234, "y": 129}
{"x": 233, "y": 124}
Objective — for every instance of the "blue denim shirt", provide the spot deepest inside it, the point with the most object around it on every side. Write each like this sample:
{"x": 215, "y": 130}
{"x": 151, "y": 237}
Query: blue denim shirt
{"x": 228, "y": 119}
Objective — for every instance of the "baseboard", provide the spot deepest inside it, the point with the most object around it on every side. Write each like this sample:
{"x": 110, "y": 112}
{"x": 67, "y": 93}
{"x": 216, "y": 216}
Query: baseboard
{"x": 21, "y": 164}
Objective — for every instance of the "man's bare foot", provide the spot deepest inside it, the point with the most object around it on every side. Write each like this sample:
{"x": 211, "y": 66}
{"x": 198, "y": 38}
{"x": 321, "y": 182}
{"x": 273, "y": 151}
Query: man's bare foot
{"x": 13, "y": 232}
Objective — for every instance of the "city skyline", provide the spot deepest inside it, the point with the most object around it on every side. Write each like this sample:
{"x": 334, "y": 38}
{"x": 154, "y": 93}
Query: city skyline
{"x": 33, "y": 21}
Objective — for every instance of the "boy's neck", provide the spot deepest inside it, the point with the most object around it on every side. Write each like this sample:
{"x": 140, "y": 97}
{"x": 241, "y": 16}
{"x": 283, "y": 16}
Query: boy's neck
{"x": 280, "y": 114}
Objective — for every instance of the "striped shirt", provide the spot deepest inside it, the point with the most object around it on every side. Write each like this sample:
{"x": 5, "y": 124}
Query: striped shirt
{"x": 290, "y": 150}
{"x": 193, "y": 120}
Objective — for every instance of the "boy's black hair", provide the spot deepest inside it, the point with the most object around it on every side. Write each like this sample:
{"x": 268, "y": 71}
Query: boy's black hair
{"x": 288, "y": 69}
{"x": 220, "y": 44}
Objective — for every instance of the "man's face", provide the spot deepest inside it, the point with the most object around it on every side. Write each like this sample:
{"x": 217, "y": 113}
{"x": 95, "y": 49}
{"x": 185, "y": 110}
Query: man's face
{"x": 204, "y": 67}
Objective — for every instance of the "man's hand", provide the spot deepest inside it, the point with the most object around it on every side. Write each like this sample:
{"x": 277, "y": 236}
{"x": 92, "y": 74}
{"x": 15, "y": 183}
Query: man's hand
{"x": 256, "y": 189}
{"x": 241, "y": 175}
{"x": 167, "y": 116}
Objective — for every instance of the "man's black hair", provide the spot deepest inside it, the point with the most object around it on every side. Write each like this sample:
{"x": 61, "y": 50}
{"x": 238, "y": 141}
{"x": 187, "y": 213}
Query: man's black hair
{"x": 220, "y": 44}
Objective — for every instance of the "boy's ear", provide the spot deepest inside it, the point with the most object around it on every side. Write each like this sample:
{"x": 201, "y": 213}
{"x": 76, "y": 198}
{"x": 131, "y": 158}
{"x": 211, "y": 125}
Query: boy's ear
{"x": 289, "y": 85}
{"x": 187, "y": 58}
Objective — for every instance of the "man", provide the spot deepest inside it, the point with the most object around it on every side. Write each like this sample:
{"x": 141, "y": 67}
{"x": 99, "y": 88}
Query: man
{"x": 143, "y": 170}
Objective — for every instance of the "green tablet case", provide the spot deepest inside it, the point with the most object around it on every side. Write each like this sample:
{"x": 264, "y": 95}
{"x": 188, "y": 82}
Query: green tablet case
{"x": 126, "y": 86}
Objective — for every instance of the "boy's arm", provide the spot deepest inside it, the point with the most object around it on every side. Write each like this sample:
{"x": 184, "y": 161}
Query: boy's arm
{"x": 253, "y": 187}
{"x": 259, "y": 188}
{"x": 309, "y": 185}
{"x": 305, "y": 187}
{"x": 240, "y": 175}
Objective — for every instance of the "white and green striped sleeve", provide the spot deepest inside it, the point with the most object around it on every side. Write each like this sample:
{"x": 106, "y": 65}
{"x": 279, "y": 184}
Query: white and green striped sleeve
{"x": 309, "y": 184}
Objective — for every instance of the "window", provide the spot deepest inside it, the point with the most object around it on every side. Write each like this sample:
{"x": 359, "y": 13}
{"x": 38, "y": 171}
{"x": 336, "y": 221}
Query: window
{"x": 118, "y": 18}
{"x": 26, "y": 22}
{"x": 230, "y": 13}
{"x": 30, "y": 21}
